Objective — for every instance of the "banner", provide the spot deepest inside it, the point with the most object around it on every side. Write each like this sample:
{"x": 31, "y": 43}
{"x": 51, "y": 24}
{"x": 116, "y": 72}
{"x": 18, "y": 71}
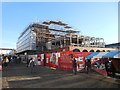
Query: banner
{"x": 66, "y": 60}
{"x": 40, "y": 58}
{"x": 80, "y": 57}
{"x": 48, "y": 58}
{"x": 52, "y": 59}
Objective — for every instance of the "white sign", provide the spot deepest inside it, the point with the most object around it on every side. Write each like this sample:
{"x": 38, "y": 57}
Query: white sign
{"x": 57, "y": 54}
{"x": 42, "y": 56}
{"x": 46, "y": 60}
{"x": 80, "y": 59}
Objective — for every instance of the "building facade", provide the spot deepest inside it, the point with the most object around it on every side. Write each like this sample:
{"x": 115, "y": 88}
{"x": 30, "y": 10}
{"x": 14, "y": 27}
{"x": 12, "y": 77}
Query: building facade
{"x": 113, "y": 45}
{"x": 55, "y": 36}
{"x": 26, "y": 41}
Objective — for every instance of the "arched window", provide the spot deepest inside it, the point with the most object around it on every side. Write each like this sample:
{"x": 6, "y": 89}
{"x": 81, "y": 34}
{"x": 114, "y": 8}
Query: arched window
{"x": 98, "y": 51}
{"x": 84, "y": 51}
{"x": 76, "y": 50}
{"x": 103, "y": 51}
{"x": 91, "y": 50}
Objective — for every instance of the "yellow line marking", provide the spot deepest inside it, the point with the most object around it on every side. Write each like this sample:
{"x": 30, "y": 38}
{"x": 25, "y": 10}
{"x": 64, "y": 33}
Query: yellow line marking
{"x": 23, "y": 78}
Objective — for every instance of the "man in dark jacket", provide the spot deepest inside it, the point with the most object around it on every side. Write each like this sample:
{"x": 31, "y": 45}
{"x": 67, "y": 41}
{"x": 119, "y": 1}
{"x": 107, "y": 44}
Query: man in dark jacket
{"x": 88, "y": 65}
{"x": 74, "y": 66}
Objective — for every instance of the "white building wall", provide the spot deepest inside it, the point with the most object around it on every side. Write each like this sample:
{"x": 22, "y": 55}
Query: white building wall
{"x": 27, "y": 41}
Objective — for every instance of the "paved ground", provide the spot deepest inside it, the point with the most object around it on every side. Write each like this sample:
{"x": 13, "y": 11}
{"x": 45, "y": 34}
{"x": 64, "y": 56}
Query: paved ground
{"x": 19, "y": 76}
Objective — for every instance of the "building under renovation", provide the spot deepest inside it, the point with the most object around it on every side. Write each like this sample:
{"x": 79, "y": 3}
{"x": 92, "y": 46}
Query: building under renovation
{"x": 53, "y": 36}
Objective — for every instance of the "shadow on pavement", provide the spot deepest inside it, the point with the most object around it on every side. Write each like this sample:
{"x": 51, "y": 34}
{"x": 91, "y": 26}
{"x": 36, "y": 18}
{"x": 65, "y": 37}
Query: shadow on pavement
{"x": 19, "y": 76}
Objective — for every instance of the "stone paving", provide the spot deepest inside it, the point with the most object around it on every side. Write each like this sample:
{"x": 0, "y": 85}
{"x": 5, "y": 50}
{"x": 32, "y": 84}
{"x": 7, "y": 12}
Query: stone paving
{"x": 19, "y": 76}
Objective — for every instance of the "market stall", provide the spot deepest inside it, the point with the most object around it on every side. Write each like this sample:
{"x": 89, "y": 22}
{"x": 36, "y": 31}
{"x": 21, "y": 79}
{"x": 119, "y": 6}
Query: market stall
{"x": 114, "y": 63}
{"x": 104, "y": 62}
{"x": 97, "y": 62}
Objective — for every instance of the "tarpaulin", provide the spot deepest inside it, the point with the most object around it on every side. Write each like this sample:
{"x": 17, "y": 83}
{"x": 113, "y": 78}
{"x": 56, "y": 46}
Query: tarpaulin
{"x": 99, "y": 55}
{"x": 104, "y": 62}
{"x": 66, "y": 60}
{"x": 117, "y": 55}
{"x": 116, "y": 63}
{"x": 92, "y": 55}
{"x": 97, "y": 62}
{"x": 80, "y": 57}
{"x": 101, "y": 71}
{"x": 111, "y": 54}
{"x": 80, "y": 54}
{"x": 52, "y": 59}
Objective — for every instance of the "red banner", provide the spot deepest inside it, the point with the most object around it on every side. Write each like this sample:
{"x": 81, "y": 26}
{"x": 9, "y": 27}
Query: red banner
{"x": 80, "y": 56}
{"x": 51, "y": 60}
{"x": 41, "y": 59}
{"x": 66, "y": 60}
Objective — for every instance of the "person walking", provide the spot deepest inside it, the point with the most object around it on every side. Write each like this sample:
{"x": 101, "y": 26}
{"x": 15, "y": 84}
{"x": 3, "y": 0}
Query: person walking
{"x": 110, "y": 68}
{"x": 74, "y": 66}
{"x": 32, "y": 64}
{"x": 28, "y": 61}
{"x": 6, "y": 61}
{"x": 88, "y": 65}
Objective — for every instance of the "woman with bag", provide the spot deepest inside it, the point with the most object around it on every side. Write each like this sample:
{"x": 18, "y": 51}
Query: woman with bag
{"x": 6, "y": 61}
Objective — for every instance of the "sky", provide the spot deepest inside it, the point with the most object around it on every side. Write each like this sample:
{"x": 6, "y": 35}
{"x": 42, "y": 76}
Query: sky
{"x": 97, "y": 19}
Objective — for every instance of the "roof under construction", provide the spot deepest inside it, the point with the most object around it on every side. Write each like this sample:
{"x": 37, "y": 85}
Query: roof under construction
{"x": 54, "y": 32}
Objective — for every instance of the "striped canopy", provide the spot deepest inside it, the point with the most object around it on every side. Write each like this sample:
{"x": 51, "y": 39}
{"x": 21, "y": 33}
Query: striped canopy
{"x": 92, "y": 54}
{"x": 99, "y": 55}
{"x": 117, "y": 55}
{"x": 112, "y": 54}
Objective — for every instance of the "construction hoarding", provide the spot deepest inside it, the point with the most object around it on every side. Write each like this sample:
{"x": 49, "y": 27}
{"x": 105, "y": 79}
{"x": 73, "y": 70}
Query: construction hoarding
{"x": 64, "y": 60}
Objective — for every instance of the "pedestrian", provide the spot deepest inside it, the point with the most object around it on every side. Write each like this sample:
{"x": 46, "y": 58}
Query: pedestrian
{"x": 110, "y": 68}
{"x": 6, "y": 61}
{"x": 88, "y": 65}
{"x": 15, "y": 59}
{"x": 107, "y": 66}
{"x": 19, "y": 60}
{"x": 74, "y": 66}
{"x": 28, "y": 61}
{"x": 32, "y": 64}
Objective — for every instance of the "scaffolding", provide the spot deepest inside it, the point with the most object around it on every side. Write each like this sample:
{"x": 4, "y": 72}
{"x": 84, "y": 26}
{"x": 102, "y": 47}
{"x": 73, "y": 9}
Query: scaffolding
{"x": 48, "y": 32}
{"x": 59, "y": 35}
{"x": 56, "y": 34}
